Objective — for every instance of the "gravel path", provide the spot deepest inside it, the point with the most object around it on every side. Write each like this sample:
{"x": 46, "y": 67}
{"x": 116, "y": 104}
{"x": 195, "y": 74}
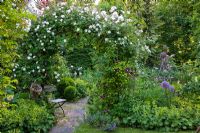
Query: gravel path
{"x": 74, "y": 116}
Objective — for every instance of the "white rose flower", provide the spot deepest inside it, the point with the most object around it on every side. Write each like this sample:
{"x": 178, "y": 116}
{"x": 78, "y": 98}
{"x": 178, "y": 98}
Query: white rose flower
{"x": 97, "y": 17}
{"x": 113, "y": 8}
{"x": 68, "y": 11}
{"x": 24, "y": 69}
{"x": 78, "y": 29}
{"x": 103, "y": 13}
{"x": 94, "y": 11}
{"x": 86, "y": 9}
{"x": 121, "y": 18}
{"x": 106, "y": 19}
{"x": 114, "y": 16}
{"x": 129, "y": 20}
{"x": 62, "y": 16}
{"x": 28, "y": 57}
{"x": 54, "y": 14}
{"x": 90, "y": 27}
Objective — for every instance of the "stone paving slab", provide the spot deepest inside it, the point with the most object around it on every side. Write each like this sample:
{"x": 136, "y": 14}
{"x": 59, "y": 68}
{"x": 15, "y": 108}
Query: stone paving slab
{"x": 74, "y": 116}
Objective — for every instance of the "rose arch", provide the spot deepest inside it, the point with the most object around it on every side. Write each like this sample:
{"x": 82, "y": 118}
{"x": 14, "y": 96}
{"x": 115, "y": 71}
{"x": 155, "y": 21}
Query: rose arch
{"x": 109, "y": 33}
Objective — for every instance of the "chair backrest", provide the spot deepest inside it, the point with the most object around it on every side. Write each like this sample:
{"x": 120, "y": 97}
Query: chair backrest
{"x": 49, "y": 88}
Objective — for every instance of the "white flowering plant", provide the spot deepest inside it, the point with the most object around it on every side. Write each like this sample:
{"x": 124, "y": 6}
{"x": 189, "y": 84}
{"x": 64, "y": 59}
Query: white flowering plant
{"x": 111, "y": 35}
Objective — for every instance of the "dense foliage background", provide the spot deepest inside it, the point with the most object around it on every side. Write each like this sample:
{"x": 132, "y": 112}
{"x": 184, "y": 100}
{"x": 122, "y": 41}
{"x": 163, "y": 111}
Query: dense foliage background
{"x": 112, "y": 52}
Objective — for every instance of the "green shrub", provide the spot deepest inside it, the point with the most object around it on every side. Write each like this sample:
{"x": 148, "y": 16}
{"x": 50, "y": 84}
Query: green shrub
{"x": 21, "y": 95}
{"x": 10, "y": 119}
{"x": 77, "y": 86}
{"x": 27, "y": 117}
{"x": 193, "y": 86}
{"x": 65, "y": 82}
{"x": 81, "y": 87}
{"x": 135, "y": 113}
{"x": 103, "y": 121}
{"x": 70, "y": 93}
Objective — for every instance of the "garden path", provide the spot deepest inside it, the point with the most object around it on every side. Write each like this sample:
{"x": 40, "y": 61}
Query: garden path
{"x": 74, "y": 115}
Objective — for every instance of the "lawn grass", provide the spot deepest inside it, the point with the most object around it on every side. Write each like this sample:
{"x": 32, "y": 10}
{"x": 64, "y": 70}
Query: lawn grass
{"x": 85, "y": 128}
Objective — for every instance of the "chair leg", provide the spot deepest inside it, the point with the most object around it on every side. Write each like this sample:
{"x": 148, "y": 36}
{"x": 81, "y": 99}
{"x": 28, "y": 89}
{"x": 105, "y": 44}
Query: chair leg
{"x": 198, "y": 129}
{"x": 62, "y": 109}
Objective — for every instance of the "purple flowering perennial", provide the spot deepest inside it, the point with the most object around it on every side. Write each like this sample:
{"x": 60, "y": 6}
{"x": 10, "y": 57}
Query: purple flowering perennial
{"x": 166, "y": 85}
{"x": 171, "y": 88}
